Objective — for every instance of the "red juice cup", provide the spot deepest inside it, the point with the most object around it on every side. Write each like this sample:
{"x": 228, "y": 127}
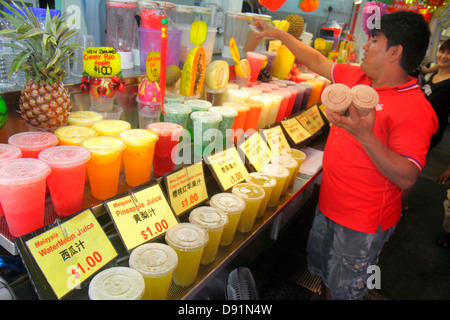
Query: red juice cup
{"x": 22, "y": 194}
{"x": 291, "y": 103}
{"x": 283, "y": 105}
{"x": 298, "y": 99}
{"x": 33, "y": 142}
{"x": 67, "y": 179}
{"x": 256, "y": 61}
{"x": 169, "y": 135}
{"x": 8, "y": 152}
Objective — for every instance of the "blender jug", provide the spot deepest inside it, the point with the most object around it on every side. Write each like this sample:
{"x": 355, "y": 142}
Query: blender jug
{"x": 120, "y": 28}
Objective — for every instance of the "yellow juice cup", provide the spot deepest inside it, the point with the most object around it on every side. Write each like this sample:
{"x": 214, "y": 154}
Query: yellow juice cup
{"x": 84, "y": 118}
{"x": 188, "y": 240}
{"x": 233, "y": 206}
{"x": 289, "y": 163}
{"x": 138, "y": 154}
{"x": 104, "y": 166}
{"x": 267, "y": 103}
{"x": 109, "y": 127}
{"x": 281, "y": 174}
{"x": 268, "y": 183}
{"x": 253, "y": 196}
{"x": 298, "y": 156}
{"x": 117, "y": 283}
{"x": 156, "y": 263}
{"x": 276, "y": 100}
{"x": 214, "y": 221}
{"x": 74, "y": 134}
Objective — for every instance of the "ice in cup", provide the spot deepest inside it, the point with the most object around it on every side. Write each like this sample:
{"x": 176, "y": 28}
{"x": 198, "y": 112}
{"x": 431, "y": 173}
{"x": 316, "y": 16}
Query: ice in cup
{"x": 281, "y": 174}
{"x": 22, "y": 194}
{"x": 298, "y": 156}
{"x": 73, "y": 135}
{"x": 268, "y": 183}
{"x": 365, "y": 98}
{"x": 105, "y": 165}
{"x": 138, "y": 155}
{"x": 289, "y": 163}
{"x": 205, "y": 125}
{"x": 156, "y": 263}
{"x": 33, "y": 142}
{"x": 117, "y": 283}
{"x": 8, "y": 152}
{"x": 276, "y": 100}
{"x": 228, "y": 115}
{"x": 67, "y": 179}
{"x": 109, "y": 127}
{"x": 167, "y": 144}
{"x": 253, "y": 196}
{"x": 188, "y": 240}
{"x": 84, "y": 118}
{"x": 177, "y": 113}
{"x": 256, "y": 61}
{"x": 233, "y": 206}
{"x": 337, "y": 97}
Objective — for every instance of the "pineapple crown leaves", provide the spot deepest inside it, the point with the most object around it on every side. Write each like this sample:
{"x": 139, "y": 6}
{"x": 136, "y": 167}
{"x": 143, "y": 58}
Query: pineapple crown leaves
{"x": 43, "y": 51}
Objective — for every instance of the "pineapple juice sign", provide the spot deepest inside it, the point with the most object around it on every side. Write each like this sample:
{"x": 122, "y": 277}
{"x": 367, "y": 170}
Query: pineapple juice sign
{"x": 101, "y": 61}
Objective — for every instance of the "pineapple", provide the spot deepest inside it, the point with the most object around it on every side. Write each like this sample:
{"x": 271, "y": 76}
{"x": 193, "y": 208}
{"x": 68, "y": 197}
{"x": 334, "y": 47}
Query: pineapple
{"x": 44, "y": 102}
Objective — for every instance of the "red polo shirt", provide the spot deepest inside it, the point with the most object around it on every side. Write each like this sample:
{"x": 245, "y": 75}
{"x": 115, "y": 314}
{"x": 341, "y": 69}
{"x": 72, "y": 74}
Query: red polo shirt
{"x": 353, "y": 192}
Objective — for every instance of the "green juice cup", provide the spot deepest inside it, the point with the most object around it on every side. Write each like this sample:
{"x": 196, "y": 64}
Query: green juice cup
{"x": 268, "y": 183}
{"x": 196, "y": 105}
{"x": 205, "y": 125}
{"x": 281, "y": 174}
{"x": 289, "y": 163}
{"x": 228, "y": 115}
{"x": 253, "y": 196}
{"x": 298, "y": 156}
{"x": 177, "y": 113}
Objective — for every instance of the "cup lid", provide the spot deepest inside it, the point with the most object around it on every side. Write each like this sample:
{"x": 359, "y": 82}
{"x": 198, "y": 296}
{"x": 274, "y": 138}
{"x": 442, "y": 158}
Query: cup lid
{"x": 210, "y": 218}
{"x": 138, "y": 137}
{"x": 186, "y": 236}
{"x": 248, "y": 191}
{"x": 227, "y": 202}
{"x": 110, "y": 126}
{"x": 84, "y": 117}
{"x": 103, "y": 144}
{"x": 175, "y": 107}
{"x": 173, "y": 97}
{"x": 8, "y": 151}
{"x": 224, "y": 111}
{"x": 165, "y": 128}
{"x": 276, "y": 170}
{"x": 294, "y": 153}
{"x": 286, "y": 161}
{"x": 65, "y": 156}
{"x": 33, "y": 140}
{"x": 198, "y": 104}
{"x": 364, "y": 96}
{"x": 23, "y": 170}
{"x": 253, "y": 90}
{"x": 337, "y": 96}
{"x": 206, "y": 116}
{"x": 75, "y": 133}
{"x": 273, "y": 96}
{"x": 153, "y": 259}
{"x": 117, "y": 283}
{"x": 256, "y": 55}
{"x": 261, "y": 179}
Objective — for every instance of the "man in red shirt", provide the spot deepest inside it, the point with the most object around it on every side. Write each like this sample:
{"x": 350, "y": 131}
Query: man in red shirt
{"x": 369, "y": 159}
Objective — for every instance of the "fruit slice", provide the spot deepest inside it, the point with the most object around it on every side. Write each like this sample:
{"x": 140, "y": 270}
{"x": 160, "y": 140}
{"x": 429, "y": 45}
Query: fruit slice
{"x": 199, "y": 30}
{"x": 242, "y": 68}
{"x": 193, "y": 74}
{"x": 217, "y": 74}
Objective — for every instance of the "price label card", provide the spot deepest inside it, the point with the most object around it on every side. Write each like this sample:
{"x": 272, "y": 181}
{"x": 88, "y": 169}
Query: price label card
{"x": 187, "y": 188}
{"x": 274, "y": 45}
{"x": 275, "y": 139}
{"x": 142, "y": 215}
{"x": 153, "y": 66}
{"x": 314, "y": 114}
{"x": 307, "y": 122}
{"x": 71, "y": 252}
{"x": 228, "y": 167}
{"x": 322, "y": 109}
{"x": 295, "y": 130}
{"x": 101, "y": 61}
{"x": 256, "y": 151}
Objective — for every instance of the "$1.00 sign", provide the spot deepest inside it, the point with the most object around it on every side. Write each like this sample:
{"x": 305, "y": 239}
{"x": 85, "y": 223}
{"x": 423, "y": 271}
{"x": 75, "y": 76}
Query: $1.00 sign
{"x": 101, "y": 61}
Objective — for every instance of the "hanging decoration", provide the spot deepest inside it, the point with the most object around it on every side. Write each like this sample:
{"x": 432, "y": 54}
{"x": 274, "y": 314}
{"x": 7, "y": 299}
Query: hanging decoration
{"x": 431, "y": 5}
{"x": 368, "y": 13}
{"x": 272, "y": 5}
{"x": 308, "y": 5}
{"x": 162, "y": 76}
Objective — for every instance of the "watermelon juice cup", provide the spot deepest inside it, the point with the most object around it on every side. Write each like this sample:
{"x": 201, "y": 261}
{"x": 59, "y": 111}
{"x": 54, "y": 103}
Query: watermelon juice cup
{"x": 256, "y": 61}
{"x": 22, "y": 194}
{"x": 67, "y": 180}
{"x": 253, "y": 196}
{"x": 33, "y": 142}
{"x": 266, "y": 182}
{"x": 8, "y": 152}
{"x": 283, "y": 105}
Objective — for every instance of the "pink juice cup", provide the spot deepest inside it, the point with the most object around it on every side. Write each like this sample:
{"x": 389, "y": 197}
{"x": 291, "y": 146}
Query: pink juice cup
{"x": 67, "y": 179}
{"x": 33, "y": 142}
{"x": 22, "y": 194}
{"x": 8, "y": 152}
{"x": 291, "y": 103}
{"x": 256, "y": 61}
{"x": 283, "y": 105}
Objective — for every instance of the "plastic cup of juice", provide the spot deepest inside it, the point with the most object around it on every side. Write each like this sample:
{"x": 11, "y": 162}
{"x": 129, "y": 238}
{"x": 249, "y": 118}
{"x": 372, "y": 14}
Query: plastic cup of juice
{"x": 109, "y": 127}
{"x": 84, "y": 118}
{"x": 22, "y": 194}
{"x": 298, "y": 99}
{"x": 33, "y": 142}
{"x": 74, "y": 134}
{"x": 253, "y": 196}
{"x": 105, "y": 165}
{"x": 284, "y": 103}
{"x": 196, "y": 105}
{"x": 67, "y": 180}
{"x": 236, "y": 95}
{"x": 256, "y": 61}
{"x": 171, "y": 97}
{"x": 233, "y": 206}
{"x": 156, "y": 263}
{"x": 253, "y": 91}
{"x": 281, "y": 174}
{"x": 228, "y": 115}
{"x": 266, "y": 104}
{"x": 289, "y": 163}
{"x": 268, "y": 183}
{"x": 205, "y": 125}
{"x": 213, "y": 220}
{"x": 230, "y": 85}
{"x": 117, "y": 283}
{"x": 252, "y": 119}
{"x": 239, "y": 120}
{"x": 167, "y": 144}
{"x": 298, "y": 156}
{"x": 315, "y": 93}
{"x": 276, "y": 100}
{"x": 8, "y": 152}
{"x": 138, "y": 155}
{"x": 177, "y": 113}
{"x": 291, "y": 103}
{"x": 308, "y": 89}
{"x": 188, "y": 240}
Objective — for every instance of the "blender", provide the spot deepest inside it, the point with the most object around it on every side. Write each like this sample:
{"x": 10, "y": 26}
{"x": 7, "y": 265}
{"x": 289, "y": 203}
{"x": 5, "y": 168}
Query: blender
{"x": 237, "y": 26}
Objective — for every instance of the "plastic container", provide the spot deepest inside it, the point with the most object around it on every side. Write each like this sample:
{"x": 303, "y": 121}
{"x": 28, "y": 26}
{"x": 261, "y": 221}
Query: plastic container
{"x": 256, "y": 61}
{"x": 205, "y": 125}
{"x": 298, "y": 98}
{"x": 276, "y": 100}
{"x": 170, "y": 97}
{"x": 8, "y": 152}
{"x": 84, "y": 118}
{"x": 308, "y": 89}
{"x": 22, "y": 194}
{"x": 118, "y": 283}
{"x": 67, "y": 178}
{"x": 253, "y": 196}
{"x": 281, "y": 174}
{"x": 252, "y": 119}
{"x": 337, "y": 97}
{"x": 149, "y": 112}
{"x": 188, "y": 240}
{"x": 156, "y": 263}
{"x": 298, "y": 156}
{"x": 33, "y": 142}
{"x": 112, "y": 128}
{"x": 289, "y": 163}
{"x": 284, "y": 103}
{"x": 114, "y": 114}
{"x": 196, "y": 105}
{"x": 236, "y": 95}
{"x": 239, "y": 120}
{"x": 264, "y": 114}
{"x": 268, "y": 183}
{"x": 177, "y": 113}
{"x": 365, "y": 99}
{"x": 186, "y": 44}
{"x": 226, "y": 125}
{"x": 237, "y": 27}
{"x": 74, "y": 135}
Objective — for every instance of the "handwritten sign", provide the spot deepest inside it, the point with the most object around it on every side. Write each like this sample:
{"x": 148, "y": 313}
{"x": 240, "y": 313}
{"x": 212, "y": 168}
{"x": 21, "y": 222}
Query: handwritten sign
{"x": 295, "y": 130}
{"x": 153, "y": 66}
{"x": 314, "y": 114}
{"x": 307, "y": 122}
{"x": 256, "y": 151}
{"x": 275, "y": 139}
{"x": 101, "y": 61}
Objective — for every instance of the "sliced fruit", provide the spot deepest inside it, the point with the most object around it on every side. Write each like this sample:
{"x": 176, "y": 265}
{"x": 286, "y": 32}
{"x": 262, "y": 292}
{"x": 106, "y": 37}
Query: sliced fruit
{"x": 193, "y": 74}
{"x": 217, "y": 74}
{"x": 243, "y": 68}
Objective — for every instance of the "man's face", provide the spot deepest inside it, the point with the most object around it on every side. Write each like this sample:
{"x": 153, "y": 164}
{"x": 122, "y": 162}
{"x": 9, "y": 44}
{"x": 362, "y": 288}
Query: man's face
{"x": 375, "y": 54}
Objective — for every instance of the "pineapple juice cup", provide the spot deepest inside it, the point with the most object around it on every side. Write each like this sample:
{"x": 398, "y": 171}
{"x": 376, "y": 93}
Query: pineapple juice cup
{"x": 298, "y": 156}
{"x": 108, "y": 127}
{"x": 84, "y": 118}
{"x": 138, "y": 155}
{"x": 188, "y": 240}
{"x": 233, "y": 206}
{"x": 73, "y": 135}
{"x": 104, "y": 166}
{"x": 156, "y": 263}
{"x": 289, "y": 163}
{"x": 33, "y": 142}
{"x": 253, "y": 196}
{"x": 268, "y": 183}
{"x": 281, "y": 174}
{"x": 214, "y": 221}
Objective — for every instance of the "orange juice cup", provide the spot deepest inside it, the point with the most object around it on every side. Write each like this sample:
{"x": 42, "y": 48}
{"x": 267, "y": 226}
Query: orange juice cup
{"x": 298, "y": 156}
{"x": 253, "y": 114}
{"x": 268, "y": 183}
{"x": 84, "y": 118}
{"x": 239, "y": 120}
{"x": 289, "y": 163}
{"x": 73, "y": 135}
{"x": 281, "y": 174}
{"x": 138, "y": 155}
{"x": 109, "y": 127}
{"x": 315, "y": 93}
{"x": 253, "y": 196}
{"x": 33, "y": 142}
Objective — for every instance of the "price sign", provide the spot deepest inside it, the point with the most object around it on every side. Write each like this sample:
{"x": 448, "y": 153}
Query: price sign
{"x": 308, "y": 122}
{"x": 71, "y": 252}
{"x": 141, "y": 216}
{"x": 101, "y": 61}
{"x": 256, "y": 151}
{"x": 186, "y": 188}
{"x": 274, "y": 45}
{"x": 314, "y": 114}
{"x": 295, "y": 131}
{"x": 228, "y": 167}
{"x": 275, "y": 139}
{"x": 153, "y": 66}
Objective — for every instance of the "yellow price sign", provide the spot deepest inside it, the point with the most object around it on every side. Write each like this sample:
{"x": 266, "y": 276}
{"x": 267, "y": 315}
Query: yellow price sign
{"x": 275, "y": 139}
{"x": 234, "y": 50}
{"x": 153, "y": 66}
{"x": 101, "y": 61}
{"x": 307, "y": 122}
{"x": 314, "y": 114}
{"x": 141, "y": 216}
{"x": 322, "y": 108}
{"x": 274, "y": 45}
{"x": 71, "y": 252}
{"x": 295, "y": 130}
{"x": 256, "y": 151}
{"x": 187, "y": 188}
{"x": 227, "y": 167}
